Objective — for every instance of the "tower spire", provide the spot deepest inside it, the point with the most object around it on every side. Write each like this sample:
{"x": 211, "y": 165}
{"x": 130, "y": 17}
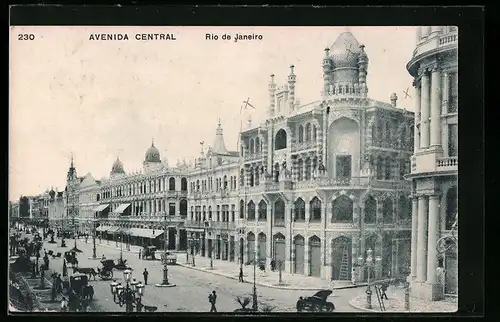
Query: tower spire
{"x": 72, "y": 164}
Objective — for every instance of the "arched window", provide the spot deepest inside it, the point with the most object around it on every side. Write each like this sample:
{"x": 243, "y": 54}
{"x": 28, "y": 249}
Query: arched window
{"x": 218, "y": 212}
{"x": 262, "y": 210}
{"x": 380, "y": 166}
{"x": 280, "y": 140}
{"x": 257, "y": 145}
{"x": 251, "y": 210}
{"x": 314, "y": 133}
{"x": 171, "y": 184}
{"x": 257, "y": 176}
{"x": 451, "y": 206}
{"x": 204, "y": 217}
{"x": 183, "y": 206}
{"x": 276, "y": 172}
{"x": 251, "y": 146}
{"x": 197, "y": 185}
{"x": 315, "y": 209}
{"x": 279, "y": 211}
{"x": 308, "y": 132}
{"x": 403, "y": 209}
{"x": 252, "y": 177}
{"x": 242, "y": 209}
{"x": 387, "y": 211}
{"x": 300, "y": 210}
{"x": 225, "y": 182}
{"x": 388, "y": 169}
{"x": 300, "y": 170}
{"x": 342, "y": 210}
{"x": 301, "y": 133}
{"x": 184, "y": 184}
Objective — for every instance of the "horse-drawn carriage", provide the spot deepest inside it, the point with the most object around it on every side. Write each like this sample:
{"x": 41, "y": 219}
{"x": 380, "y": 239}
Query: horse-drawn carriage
{"x": 106, "y": 272}
{"x": 70, "y": 258}
{"x": 77, "y": 293}
{"x": 149, "y": 252}
{"x": 79, "y": 283}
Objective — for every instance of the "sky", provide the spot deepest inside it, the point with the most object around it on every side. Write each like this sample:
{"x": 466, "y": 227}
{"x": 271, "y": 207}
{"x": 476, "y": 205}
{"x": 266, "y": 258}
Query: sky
{"x": 103, "y": 99}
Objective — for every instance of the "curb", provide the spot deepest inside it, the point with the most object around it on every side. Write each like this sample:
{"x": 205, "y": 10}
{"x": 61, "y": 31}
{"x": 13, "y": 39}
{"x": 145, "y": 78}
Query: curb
{"x": 270, "y": 285}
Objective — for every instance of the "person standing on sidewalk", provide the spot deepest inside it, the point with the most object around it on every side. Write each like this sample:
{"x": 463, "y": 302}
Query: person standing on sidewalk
{"x": 145, "y": 274}
{"x": 240, "y": 277}
{"x": 212, "y": 298}
{"x": 140, "y": 254}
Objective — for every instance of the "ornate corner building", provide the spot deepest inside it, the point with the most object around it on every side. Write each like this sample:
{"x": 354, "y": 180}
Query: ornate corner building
{"x": 434, "y": 164}
{"x": 322, "y": 183}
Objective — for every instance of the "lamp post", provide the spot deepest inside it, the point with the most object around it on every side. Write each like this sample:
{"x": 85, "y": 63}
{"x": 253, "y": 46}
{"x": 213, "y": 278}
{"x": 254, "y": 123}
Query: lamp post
{"x": 129, "y": 295}
{"x": 254, "y": 294}
{"x": 94, "y": 232}
{"x": 369, "y": 263}
{"x": 165, "y": 282}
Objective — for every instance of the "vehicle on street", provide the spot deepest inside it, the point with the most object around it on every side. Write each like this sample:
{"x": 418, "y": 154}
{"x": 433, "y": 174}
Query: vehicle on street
{"x": 106, "y": 272}
{"x": 70, "y": 258}
{"x": 171, "y": 258}
{"x": 79, "y": 283}
{"x": 316, "y": 303}
{"x": 149, "y": 252}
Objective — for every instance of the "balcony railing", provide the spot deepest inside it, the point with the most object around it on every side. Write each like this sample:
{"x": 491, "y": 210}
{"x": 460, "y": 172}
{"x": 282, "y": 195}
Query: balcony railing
{"x": 299, "y": 146}
{"x": 279, "y": 223}
{"x": 253, "y": 156}
{"x": 447, "y": 162}
{"x": 353, "y": 181}
{"x": 448, "y": 39}
{"x": 270, "y": 186}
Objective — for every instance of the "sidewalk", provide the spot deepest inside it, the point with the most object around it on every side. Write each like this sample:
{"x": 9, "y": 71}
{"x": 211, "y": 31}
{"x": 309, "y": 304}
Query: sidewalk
{"x": 231, "y": 270}
{"x": 395, "y": 303}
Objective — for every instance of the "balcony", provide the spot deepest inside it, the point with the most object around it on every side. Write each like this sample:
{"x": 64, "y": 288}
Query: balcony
{"x": 343, "y": 182}
{"x": 448, "y": 39}
{"x": 447, "y": 164}
{"x": 252, "y": 156}
{"x": 195, "y": 224}
{"x": 279, "y": 223}
{"x": 277, "y": 186}
{"x": 301, "y": 146}
{"x": 222, "y": 225}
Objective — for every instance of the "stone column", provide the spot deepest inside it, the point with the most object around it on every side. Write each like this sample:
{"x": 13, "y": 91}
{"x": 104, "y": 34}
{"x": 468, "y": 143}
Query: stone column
{"x": 354, "y": 253}
{"x": 414, "y": 235}
{"x": 307, "y": 261}
{"x": 432, "y": 239}
{"x": 307, "y": 212}
{"x": 436, "y": 108}
{"x": 379, "y": 213}
{"x": 425, "y": 111}
{"x": 422, "y": 239}
{"x": 288, "y": 241}
{"x": 206, "y": 247}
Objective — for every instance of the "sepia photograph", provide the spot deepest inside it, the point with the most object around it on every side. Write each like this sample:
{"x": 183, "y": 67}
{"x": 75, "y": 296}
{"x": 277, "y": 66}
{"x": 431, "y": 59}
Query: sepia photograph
{"x": 233, "y": 169}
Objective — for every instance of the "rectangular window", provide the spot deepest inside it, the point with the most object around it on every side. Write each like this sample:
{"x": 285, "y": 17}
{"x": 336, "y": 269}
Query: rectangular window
{"x": 343, "y": 167}
{"x": 453, "y": 92}
{"x": 171, "y": 209}
{"x": 453, "y": 140}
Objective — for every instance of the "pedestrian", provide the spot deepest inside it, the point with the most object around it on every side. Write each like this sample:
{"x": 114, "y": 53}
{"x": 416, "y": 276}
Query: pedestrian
{"x": 145, "y": 274}
{"x": 139, "y": 254}
{"x": 383, "y": 289}
{"x": 59, "y": 283}
{"x": 212, "y": 298}
{"x": 65, "y": 268}
{"x": 240, "y": 277}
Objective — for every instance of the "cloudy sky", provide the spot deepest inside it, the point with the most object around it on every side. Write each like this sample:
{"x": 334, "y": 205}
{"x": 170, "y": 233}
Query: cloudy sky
{"x": 103, "y": 99}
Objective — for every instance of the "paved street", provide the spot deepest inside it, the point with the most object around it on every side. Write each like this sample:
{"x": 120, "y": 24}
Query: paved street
{"x": 193, "y": 286}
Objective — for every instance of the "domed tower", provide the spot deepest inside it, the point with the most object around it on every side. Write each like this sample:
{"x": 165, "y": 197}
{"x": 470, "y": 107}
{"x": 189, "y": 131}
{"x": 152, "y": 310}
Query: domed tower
{"x": 117, "y": 168}
{"x": 52, "y": 194}
{"x": 345, "y": 67}
{"x": 152, "y": 159}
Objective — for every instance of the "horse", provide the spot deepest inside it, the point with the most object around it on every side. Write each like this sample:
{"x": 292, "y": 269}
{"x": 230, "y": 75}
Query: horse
{"x": 87, "y": 292}
{"x": 87, "y": 271}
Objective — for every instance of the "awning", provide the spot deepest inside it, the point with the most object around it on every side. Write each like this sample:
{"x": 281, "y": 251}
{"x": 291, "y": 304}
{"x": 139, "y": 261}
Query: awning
{"x": 122, "y": 230}
{"x": 112, "y": 229}
{"x": 101, "y": 207}
{"x": 148, "y": 233}
{"x": 103, "y": 228}
{"x": 121, "y": 208}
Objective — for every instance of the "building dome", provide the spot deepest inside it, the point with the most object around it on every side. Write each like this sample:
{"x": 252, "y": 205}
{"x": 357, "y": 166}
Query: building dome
{"x": 152, "y": 154}
{"x": 52, "y": 193}
{"x": 345, "y": 51}
{"x": 117, "y": 167}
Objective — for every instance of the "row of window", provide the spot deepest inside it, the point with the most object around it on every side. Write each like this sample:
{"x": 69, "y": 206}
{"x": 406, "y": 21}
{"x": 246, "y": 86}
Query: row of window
{"x": 150, "y": 186}
{"x": 222, "y": 213}
{"x": 220, "y": 184}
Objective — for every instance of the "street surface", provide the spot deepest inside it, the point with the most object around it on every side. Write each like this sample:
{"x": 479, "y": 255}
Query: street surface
{"x": 193, "y": 286}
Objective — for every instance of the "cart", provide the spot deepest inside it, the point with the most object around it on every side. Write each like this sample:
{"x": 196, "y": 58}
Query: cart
{"x": 70, "y": 258}
{"x": 106, "y": 272}
{"x": 149, "y": 252}
{"x": 79, "y": 283}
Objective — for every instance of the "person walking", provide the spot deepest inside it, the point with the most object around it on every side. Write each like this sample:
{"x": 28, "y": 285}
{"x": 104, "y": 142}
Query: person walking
{"x": 145, "y": 274}
{"x": 212, "y": 298}
{"x": 65, "y": 268}
{"x": 140, "y": 254}
{"x": 240, "y": 276}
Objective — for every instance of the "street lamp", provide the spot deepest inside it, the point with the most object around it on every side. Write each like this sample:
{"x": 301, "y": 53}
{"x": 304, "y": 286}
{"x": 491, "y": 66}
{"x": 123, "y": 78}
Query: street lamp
{"x": 254, "y": 294}
{"x": 370, "y": 265}
{"x": 165, "y": 282}
{"x": 129, "y": 295}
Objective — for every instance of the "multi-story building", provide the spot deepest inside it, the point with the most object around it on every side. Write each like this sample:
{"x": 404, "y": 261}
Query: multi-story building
{"x": 140, "y": 205}
{"x": 57, "y": 211}
{"x": 213, "y": 201}
{"x": 24, "y": 207}
{"x": 88, "y": 199}
{"x": 322, "y": 183}
{"x": 434, "y": 164}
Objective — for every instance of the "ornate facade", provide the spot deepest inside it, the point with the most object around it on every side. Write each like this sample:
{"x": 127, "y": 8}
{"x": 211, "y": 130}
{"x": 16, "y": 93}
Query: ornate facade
{"x": 137, "y": 206}
{"x": 434, "y": 164}
{"x": 322, "y": 183}
{"x": 213, "y": 202}
{"x": 72, "y": 195}
{"x": 57, "y": 211}
{"x": 88, "y": 199}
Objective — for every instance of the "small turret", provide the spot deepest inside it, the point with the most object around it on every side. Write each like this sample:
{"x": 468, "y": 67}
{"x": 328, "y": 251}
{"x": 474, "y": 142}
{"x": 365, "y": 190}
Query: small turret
{"x": 291, "y": 88}
{"x": 327, "y": 69}
{"x": 272, "y": 96}
{"x": 393, "y": 99}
